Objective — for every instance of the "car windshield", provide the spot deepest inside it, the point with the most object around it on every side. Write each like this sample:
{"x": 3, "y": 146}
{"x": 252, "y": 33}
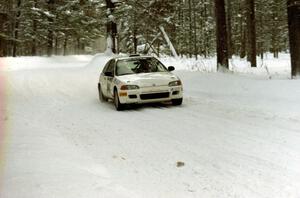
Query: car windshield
{"x": 140, "y": 65}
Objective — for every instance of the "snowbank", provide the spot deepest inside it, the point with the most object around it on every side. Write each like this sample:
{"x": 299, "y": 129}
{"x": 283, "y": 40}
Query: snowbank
{"x": 269, "y": 67}
{"x": 28, "y": 63}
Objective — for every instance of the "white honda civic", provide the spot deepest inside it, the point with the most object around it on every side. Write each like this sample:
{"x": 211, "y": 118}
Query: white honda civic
{"x": 138, "y": 79}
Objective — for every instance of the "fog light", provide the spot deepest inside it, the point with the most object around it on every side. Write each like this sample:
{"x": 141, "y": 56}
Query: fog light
{"x": 123, "y": 94}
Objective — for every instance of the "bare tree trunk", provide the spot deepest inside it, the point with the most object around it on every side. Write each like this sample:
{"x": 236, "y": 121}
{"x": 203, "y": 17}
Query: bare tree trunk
{"x": 182, "y": 52}
{"x": 206, "y": 37}
{"x": 3, "y": 43}
{"x": 158, "y": 48}
{"x": 56, "y": 45}
{"x": 33, "y": 44}
{"x": 16, "y": 29}
{"x": 229, "y": 29}
{"x": 78, "y": 46}
{"x": 294, "y": 34}
{"x": 178, "y": 34}
{"x": 243, "y": 42}
{"x": 261, "y": 42}
{"x": 65, "y": 45}
{"x": 221, "y": 33}
{"x": 251, "y": 38}
{"x": 170, "y": 44}
{"x": 34, "y": 29}
{"x": 195, "y": 31}
{"x": 50, "y": 28}
{"x": 274, "y": 33}
{"x": 190, "y": 29}
{"x": 242, "y": 32}
{"x": 135, "y": 40}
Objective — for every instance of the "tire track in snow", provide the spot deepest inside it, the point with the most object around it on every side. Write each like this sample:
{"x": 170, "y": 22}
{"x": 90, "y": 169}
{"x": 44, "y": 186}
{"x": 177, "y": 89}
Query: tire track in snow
{"x": 228, "y": 151}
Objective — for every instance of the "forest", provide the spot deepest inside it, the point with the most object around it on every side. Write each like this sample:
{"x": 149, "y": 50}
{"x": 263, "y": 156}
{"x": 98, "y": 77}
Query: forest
{"x": 195, "y": 28}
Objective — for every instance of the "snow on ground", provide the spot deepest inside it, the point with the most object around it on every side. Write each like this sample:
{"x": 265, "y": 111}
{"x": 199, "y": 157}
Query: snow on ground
{"x": 238, "y": 136}
{"x": 29, "y": 63}
{"x": 269, "y": 67}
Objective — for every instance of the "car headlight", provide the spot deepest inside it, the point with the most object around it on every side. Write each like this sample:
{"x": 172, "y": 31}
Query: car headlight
{"x": 129, "y": 87}
{"x": 175, "y": 83}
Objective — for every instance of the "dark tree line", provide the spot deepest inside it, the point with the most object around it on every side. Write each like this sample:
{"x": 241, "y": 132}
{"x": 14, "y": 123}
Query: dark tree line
{"x": 49, "y": 27}
{"x": 245, "y": 28}
{"x": 250, "y": 28}
{"x": 293, "y": 8}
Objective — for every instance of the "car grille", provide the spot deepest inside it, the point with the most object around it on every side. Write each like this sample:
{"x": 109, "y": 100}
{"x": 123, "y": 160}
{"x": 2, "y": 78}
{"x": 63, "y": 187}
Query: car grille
{"x": 154, "y": 96}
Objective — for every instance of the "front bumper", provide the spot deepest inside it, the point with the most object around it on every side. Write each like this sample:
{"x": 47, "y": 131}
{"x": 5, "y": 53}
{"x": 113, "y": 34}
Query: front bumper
{"x": 150, "y": 94}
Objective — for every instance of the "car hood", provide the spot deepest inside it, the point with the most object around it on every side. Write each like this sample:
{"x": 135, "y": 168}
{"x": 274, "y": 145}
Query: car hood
{"x": 149, "y": 79}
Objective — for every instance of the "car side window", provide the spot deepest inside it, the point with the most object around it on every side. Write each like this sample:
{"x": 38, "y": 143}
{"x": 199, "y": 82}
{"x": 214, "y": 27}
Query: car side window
{"x": 106, "y": 67}
{"x": 111, "y": 67}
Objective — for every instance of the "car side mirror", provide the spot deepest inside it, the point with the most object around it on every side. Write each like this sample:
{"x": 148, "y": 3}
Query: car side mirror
{"x": 171, "y": 68}
{"x": 110, "y": 74}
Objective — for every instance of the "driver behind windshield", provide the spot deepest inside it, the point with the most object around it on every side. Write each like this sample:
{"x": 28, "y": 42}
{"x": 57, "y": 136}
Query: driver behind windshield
{"x": 144, "y": 67}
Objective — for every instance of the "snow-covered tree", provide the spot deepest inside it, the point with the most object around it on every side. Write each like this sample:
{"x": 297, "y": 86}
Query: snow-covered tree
{"x": 67, "y": 27}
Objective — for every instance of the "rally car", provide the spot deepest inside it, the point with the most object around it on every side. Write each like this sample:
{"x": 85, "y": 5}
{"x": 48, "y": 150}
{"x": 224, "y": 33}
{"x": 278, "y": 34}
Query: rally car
{"x": 138, "y": 79}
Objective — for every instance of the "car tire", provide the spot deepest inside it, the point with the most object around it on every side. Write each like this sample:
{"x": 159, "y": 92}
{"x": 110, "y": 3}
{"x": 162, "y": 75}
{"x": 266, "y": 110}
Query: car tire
{"x": 118, "y": 105}
{"x": 177, "y": 102}
{"x": 102, "y": 98}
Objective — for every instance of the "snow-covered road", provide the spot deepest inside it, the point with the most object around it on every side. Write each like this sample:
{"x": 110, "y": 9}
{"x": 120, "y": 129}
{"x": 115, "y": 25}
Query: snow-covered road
{"x": 238, "y": 136}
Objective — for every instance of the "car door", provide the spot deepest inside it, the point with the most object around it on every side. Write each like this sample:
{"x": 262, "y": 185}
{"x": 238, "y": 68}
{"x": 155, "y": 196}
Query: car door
{"x": 103, "y": 79}
{"x": 110, "y": 85}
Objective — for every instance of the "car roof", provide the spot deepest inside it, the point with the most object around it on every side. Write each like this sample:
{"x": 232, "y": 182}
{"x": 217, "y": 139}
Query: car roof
{"x": 133, "y": 57}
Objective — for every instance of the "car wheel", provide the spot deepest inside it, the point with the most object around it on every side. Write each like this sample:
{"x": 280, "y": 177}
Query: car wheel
{"x": 177, "y": 102}
{"x": 117, "y": 103}
{"x": 102, "y": 98}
